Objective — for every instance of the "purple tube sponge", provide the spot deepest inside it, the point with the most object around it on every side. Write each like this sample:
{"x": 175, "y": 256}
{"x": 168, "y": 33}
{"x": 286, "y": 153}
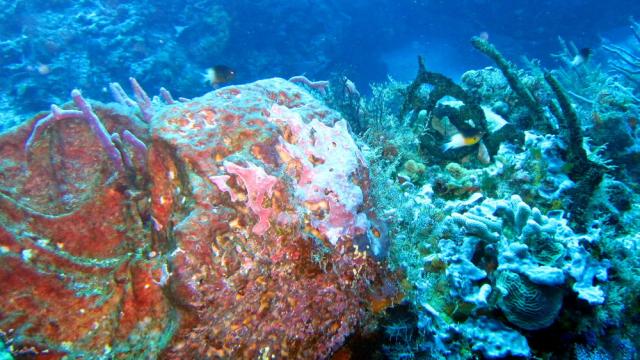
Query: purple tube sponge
{"x": 139, "y": 147}
{"x": 144, "y": 102}
{"x": 120, "y": 95}
{"x": 55, "y": 115}
{"x": 117, "y": 141}
{"x": 85, "y": 113}
{"x": 166, "y": 95}
{"x": 98, "y": 129}
{"x": 321, "y": 86}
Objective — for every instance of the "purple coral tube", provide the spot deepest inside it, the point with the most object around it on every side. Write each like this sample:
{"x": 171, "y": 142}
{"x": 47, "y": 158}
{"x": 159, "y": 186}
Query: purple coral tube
{"x": 166, "y": 95}
{"x": 55, "y": 115}
{"x": 120, "y": 95}
{"x": 98, "y": 129}
{"x": 139, "y": 147}
{"x": 144, "y": 102}
{"x": 115, "y": 138}
{"x": 321, "y": 86}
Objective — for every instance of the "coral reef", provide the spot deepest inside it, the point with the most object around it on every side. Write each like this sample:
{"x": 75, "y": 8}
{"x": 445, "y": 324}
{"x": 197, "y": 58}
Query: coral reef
{"x": 48, "y": 50}
{"x": 494, "y": 340}
{"x": 237, "y": 224}
{"x": 89, "y": 45}
{"x": 535, "y": 255}
{"x": 523, "y": 247}
{"x": 492, "y": 217}
{"x": 586, "y": 173}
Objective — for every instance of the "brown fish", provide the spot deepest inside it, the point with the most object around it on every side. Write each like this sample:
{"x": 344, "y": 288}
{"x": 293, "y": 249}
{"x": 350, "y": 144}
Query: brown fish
{"x": 219, "y": 74}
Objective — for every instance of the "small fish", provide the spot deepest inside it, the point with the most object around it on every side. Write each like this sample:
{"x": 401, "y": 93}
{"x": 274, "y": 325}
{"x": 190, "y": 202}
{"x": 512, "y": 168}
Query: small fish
{"x": 451, "y": 102}
{"x": 583, "y": 56}
{"x": 43, "y": 69}
{"x": 219, "y": 74}
{"x": 459, "y": 140}
{"x": 483, "y": 154}
{"x": 495, "y": 122}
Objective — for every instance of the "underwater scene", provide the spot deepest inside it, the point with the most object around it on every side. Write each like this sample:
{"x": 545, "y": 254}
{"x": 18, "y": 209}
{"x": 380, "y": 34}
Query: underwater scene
{"x": 297, "y": 179}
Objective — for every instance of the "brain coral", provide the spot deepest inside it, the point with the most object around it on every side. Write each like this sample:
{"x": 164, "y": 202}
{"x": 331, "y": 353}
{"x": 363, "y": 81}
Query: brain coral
{"x": 527, "y": 305}
{"x": 537, "y": 256}
{"x": 243, "y": 231}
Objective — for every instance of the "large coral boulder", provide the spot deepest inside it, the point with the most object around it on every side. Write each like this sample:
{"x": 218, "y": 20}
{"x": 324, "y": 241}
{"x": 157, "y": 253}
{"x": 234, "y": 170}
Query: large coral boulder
{"x": 245, "y": 230}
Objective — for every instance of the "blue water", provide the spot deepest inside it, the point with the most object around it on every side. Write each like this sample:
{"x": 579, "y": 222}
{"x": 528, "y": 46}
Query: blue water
{"x": 169, "y": 43}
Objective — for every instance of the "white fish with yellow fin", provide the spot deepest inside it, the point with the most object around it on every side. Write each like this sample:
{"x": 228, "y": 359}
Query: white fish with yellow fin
{"x": 459, "y": 140}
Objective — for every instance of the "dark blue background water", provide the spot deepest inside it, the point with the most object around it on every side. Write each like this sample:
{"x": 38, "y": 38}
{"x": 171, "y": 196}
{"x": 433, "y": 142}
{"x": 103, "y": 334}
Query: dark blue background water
{"x": 384, "y": 36}
{"x": 170, "y": 43}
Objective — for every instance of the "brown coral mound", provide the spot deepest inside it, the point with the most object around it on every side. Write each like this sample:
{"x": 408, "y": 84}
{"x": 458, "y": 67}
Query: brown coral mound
{"x": 245, "y": 231}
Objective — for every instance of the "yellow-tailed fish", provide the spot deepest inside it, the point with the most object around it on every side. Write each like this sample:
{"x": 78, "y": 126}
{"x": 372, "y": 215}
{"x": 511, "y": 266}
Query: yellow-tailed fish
{"x": 458, "y": 140}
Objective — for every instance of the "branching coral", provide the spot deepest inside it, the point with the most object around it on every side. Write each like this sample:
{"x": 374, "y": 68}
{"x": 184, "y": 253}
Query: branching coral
{"x": 585, "y": 79}
{"x": 627, "y": 61}
{"x": 509, "y": 71}
{"x": 586, "y": 173}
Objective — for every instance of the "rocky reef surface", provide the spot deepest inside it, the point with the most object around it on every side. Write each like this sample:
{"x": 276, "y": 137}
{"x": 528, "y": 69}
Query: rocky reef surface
{"x": 237, "y": 224}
